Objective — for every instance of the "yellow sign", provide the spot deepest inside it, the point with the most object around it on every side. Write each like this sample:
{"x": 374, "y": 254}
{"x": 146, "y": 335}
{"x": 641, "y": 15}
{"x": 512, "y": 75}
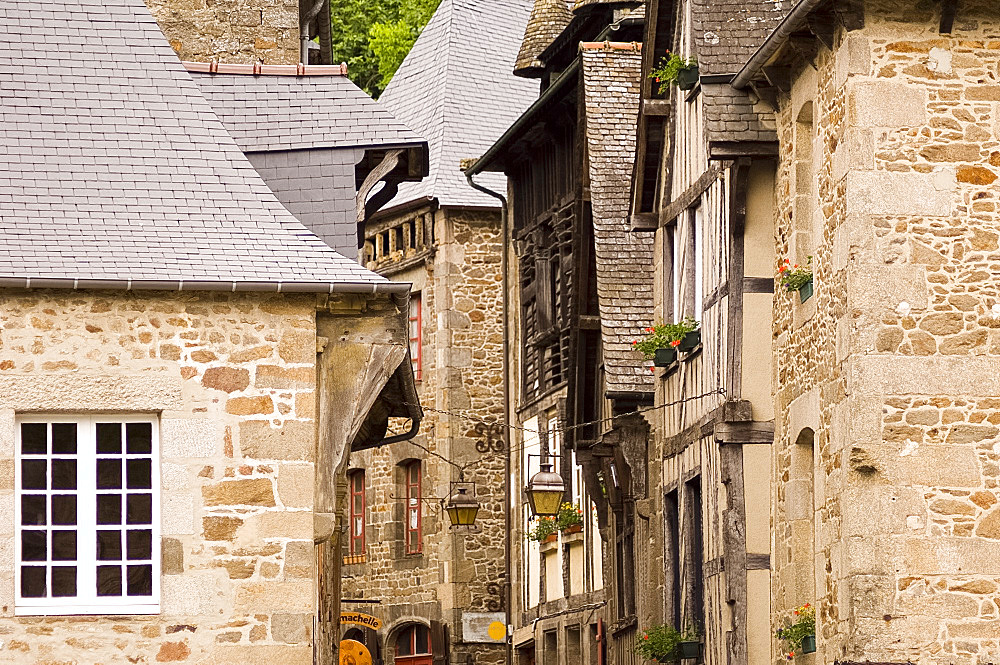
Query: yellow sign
{"x": 497, "y": 630}
{"x": 354, "y": 653}
{"x": 359, "y": 619}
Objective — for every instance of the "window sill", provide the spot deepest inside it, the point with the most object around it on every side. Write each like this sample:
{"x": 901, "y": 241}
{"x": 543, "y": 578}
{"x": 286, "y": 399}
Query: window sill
{"x": 90, "y": 610}
{"x": 353, "y": 559}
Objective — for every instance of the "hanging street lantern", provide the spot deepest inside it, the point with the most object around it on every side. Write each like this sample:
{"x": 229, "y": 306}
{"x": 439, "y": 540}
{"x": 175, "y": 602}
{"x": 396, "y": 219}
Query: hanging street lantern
{"x": 545, "y": 492}
{"x": 462, "y": 507}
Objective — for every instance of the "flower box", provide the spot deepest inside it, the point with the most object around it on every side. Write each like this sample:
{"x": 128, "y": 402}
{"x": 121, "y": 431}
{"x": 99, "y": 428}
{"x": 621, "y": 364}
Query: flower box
{"x": 687, "y": 77}
{"x": 689, "y": 649}
{"x": 805, "y": 291}
{"x": 574, "y": 528}
{"x": 665, "y": 357}
{"x": 690, "y": 341}
{"x": 809, "y": 644}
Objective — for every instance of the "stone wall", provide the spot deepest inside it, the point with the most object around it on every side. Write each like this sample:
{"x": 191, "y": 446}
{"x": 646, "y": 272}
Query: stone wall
{"x": 236, "y": 31}
{"x": 458, "y": 277}
{"x": 887, "y": 521}
{"x": 231, "y": 377}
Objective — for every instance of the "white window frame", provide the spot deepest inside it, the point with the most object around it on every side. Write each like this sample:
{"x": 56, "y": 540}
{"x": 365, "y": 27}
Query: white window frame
{"x": 86, "y": 512}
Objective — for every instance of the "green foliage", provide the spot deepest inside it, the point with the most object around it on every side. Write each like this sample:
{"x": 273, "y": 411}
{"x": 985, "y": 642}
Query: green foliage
{"x": 803, "y": 626}
{"x": 374, "y": 36}
{"x": 569, "y": 515}
{"x": 795, "y": 277}
{"x": 662, "y": 642}
{"x": 663, "y": 336}
{"x": 544, "y": 527}
{"x": 669, "y": 68}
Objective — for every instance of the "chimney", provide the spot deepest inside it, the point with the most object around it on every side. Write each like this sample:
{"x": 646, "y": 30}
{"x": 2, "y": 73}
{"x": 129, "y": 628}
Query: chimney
{"x": 548, "y": 19}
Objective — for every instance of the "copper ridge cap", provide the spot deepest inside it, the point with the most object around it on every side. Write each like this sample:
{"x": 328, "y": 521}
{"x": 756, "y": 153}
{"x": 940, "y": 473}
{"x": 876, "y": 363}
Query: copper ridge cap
{"x": 257, "y": 69}
{"x": 614, "y": 46}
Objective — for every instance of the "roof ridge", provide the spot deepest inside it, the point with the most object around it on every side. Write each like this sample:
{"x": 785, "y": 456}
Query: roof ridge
{"x": 257, "y": 69}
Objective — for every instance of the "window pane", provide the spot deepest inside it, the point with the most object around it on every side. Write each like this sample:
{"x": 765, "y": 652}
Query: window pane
{"x": 63, "y": 547}
{"x": 109, "y": 438}
{"x": 109, "y": 474}
{"x": 139, "y": 474}
{"x": 64, "y": 509}
{"x": 33, "y": 509}
{"x": 33, "y": 474}
{"x": 109, "y": 509}
{"x": 33, "y": 439}
{"x": 63, "y": 581}
{"x": 33, "y": 581}
{"x": 64, "y": 438}
{"x": 140, "y": 544}
{"x": 139, "y": 509}
{"x": 64, "y": 474}
{"x": 109, "y": 580}
{"x": 140, "y": 580}
{"x": 139, "y": 438}
{"x": 33, "y": 545}
{"x": 109, "y": 545}
{"x": 403, "y": 644}
{"x": 423, "y": 639}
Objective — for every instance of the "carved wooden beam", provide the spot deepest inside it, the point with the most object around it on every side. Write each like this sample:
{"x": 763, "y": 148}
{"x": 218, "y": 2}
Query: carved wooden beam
{"x": 779, "y": 76}
{"x": 767, "y": 93}
{"x": 823, "y": 24}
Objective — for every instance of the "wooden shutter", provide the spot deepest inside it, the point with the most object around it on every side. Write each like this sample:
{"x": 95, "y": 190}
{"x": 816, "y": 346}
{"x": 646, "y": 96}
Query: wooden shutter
{"x": 439, "y": 642}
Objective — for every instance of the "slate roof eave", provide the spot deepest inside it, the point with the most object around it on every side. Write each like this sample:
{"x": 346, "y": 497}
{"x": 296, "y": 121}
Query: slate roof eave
{"x": 131, "y": 180}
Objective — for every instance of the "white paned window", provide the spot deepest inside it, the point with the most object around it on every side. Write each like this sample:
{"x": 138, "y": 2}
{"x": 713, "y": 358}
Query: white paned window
{"x": 87, "y": 515}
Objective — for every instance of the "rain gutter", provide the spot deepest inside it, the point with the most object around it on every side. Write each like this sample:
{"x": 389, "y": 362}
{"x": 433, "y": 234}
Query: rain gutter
{"x": 385, "y": 287}
{"x": 789, "y": 25}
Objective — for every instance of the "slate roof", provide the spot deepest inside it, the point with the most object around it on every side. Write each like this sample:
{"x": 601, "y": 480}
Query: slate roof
{"x": 727, "y": 33}
{"x": 114, "y": 167}
{"x": 455, "y": 88}
{"x": 277, "y": 112}
{"x": 611, "y": 80}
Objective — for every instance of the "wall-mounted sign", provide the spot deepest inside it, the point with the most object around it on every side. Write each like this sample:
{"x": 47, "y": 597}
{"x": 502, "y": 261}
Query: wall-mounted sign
{"x": 354, "y": 653}
{"x": 486, "y": 627}
{"x": 357, "y": 618}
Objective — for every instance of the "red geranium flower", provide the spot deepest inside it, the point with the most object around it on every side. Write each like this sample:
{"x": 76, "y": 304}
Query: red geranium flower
{"x": 676, "y": 342}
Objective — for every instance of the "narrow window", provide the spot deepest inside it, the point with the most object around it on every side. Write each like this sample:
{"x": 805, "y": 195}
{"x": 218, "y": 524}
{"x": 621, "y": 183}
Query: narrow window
{"x": 416, "y": 334}
{"x": 87, "y": 515}
{"x": 694, "y": 554}
{"x": 414, "y": 538}
{"x": 625, "y": 561}
{"x": 357, "y": 487}
{"x": 671, "y": 513}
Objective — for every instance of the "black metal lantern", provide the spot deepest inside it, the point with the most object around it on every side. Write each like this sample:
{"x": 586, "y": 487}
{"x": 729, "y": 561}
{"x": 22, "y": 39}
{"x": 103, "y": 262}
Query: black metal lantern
{"x": 545, "y": 492}
{"x": 462, "y": 507}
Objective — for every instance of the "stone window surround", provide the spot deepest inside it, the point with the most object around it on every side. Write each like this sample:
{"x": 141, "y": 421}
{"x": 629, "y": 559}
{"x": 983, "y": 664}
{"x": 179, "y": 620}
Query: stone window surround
{"x": 86, "y": 493}
{"x": 82, "y": 394}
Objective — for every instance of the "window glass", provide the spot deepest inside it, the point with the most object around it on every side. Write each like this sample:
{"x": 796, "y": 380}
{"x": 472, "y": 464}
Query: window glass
{"x": 87, "y": 540}
{"x": 413, "y": 513}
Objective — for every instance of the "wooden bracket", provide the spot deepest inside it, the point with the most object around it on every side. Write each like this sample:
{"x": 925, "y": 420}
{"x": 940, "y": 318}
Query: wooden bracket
{"x": 948, "y": 10}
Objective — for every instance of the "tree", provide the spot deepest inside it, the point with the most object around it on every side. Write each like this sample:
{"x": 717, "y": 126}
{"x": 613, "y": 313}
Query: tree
{"x": 374, "y": 36}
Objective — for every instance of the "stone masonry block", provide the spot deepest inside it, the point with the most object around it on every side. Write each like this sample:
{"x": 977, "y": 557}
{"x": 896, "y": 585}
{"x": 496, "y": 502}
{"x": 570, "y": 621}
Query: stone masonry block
{"x": 294, "y": 440}
{"x": 291, "y": 628}
{"x": 275, "y": 597}
{"x": 295, "y": 485}
{"x": 177, "y": 514}
{"x": 265, "y": 654}
{"x": 190, "y": 437}
{"x": 888, "y": 104}
{"x": 889, "y": 193}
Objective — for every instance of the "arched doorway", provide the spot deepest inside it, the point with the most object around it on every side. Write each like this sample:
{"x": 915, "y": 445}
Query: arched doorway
{"x": 413, "y": 645}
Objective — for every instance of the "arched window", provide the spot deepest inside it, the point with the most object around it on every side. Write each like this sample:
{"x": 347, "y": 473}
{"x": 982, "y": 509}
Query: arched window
{"x": 413, "y": 645}
{"x": 414, "y": 535}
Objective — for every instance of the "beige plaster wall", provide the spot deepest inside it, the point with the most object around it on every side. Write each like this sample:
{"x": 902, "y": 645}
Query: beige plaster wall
{"x": 231, "y": 379}
{"x": 898, "y": 348}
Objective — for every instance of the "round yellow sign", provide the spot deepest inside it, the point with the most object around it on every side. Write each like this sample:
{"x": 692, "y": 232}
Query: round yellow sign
{"x": 353, "y": 652}
{"x": 496, "y": 630}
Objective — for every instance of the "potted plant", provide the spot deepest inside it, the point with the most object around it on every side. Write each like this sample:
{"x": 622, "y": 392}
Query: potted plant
{"x": 570, "y": 518}
{"x": 797, "y": 278}
{"x": 544, "y": 530}
{"x": 800, "y": 633}
{"x": 665, "y": 644}
{"x": 675, "y": 70}
{"x": 663, "y": 341}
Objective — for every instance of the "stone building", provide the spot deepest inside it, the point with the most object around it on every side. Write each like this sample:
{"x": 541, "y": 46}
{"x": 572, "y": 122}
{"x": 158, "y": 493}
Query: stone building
{"x": 437, "y": 590}
{"x": 881, "y": 117}
{"x": 580, "y": 292}
{"x": 886, "y": 441}
{"x": 183, "y": 365}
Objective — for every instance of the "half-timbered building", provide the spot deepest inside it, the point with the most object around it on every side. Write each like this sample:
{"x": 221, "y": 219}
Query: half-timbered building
{"x": 579, "y": 291}
{"x": 704, "y": 183}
